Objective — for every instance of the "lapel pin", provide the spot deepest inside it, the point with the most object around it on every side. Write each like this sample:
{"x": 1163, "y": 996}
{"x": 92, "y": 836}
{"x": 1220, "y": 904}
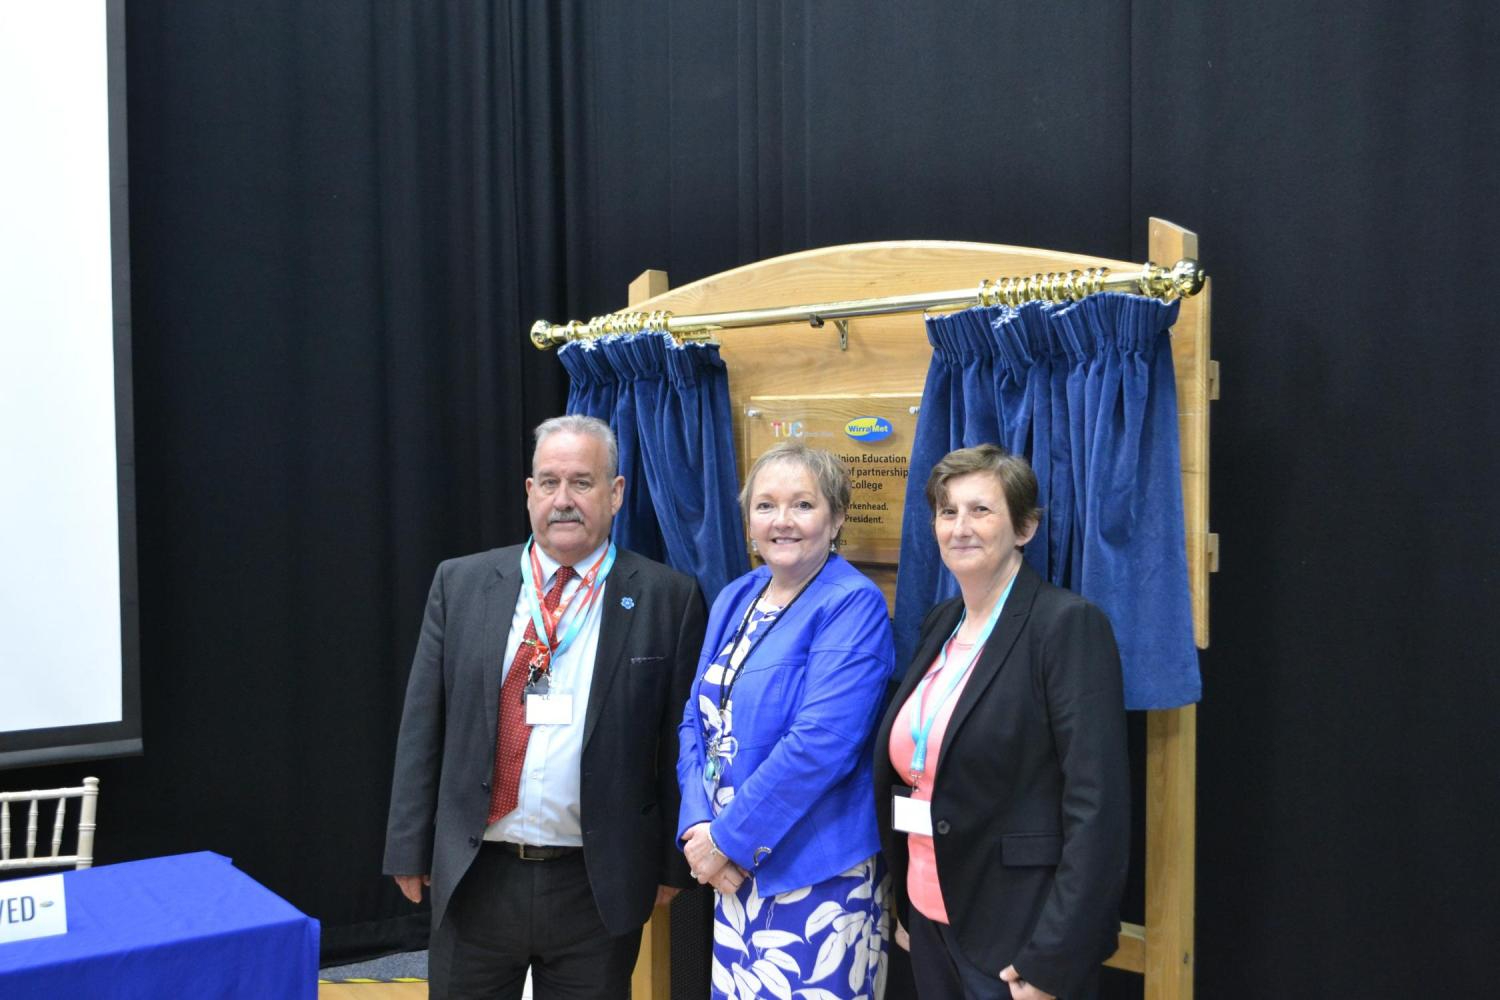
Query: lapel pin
{"x": 627, "y": 603}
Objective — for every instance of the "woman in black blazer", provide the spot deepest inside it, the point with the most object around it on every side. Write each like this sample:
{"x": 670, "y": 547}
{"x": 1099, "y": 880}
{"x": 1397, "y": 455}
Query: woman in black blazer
{"x": 1002, "y": 781}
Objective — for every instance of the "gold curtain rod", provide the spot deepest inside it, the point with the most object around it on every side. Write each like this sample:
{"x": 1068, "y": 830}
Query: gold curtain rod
{"x": 1182, "y": 279}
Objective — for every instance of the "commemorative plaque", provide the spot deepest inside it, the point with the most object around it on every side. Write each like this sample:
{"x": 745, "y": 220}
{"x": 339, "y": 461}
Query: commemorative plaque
{"x": 872, "y": 432}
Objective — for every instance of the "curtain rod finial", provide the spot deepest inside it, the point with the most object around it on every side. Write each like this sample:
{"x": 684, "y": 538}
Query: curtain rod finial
{"x": 542, "y": 337}
{"x": 1183, "y": 279}
{"x": 1188, "y": 277}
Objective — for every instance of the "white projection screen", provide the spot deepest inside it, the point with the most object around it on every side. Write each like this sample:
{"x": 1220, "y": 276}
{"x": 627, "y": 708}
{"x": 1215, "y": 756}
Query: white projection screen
{"x": 69, "y": 653}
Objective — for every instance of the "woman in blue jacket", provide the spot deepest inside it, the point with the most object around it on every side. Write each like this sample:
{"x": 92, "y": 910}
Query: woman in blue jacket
{"x": 775, "y": 747}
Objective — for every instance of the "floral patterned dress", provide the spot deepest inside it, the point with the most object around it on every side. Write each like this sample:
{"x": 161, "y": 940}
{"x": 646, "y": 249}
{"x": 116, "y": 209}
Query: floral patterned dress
{"x": 821, "y": 942}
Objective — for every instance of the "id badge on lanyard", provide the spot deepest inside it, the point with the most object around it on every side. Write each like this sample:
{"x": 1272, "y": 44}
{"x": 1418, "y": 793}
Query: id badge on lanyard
{"x": 909, "y": 814}
{"x": 552, "y": 708}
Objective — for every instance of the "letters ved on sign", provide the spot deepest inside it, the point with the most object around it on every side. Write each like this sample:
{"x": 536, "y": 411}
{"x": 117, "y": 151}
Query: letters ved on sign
{"x": 17, "y": 909}
{"x": 32, "y": 908}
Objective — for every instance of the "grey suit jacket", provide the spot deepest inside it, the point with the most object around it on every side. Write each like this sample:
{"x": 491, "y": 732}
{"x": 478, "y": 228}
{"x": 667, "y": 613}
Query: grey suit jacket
{"x": 649, "y": 641}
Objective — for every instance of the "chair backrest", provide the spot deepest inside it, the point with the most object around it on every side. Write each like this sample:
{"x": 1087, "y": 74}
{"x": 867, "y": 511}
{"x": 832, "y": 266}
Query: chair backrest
{"x": 87, "y": 793}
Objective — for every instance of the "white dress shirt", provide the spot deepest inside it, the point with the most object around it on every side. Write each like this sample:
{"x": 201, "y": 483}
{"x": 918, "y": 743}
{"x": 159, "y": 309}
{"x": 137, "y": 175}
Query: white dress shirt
{"x": 547, "y": 810}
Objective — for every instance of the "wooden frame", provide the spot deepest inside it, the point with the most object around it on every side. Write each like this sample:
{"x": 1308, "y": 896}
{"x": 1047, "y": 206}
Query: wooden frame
{"x": 890, "y": 354}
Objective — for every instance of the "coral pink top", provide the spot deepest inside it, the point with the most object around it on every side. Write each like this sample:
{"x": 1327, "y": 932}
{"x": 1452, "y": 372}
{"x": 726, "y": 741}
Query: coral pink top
{"x": 921, "y": 870}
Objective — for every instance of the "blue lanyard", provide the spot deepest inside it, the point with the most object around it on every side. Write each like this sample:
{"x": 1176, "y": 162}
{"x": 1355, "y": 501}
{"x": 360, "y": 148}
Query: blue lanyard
{"x": 592, "y": 583}
{"x": 921, "y": 729}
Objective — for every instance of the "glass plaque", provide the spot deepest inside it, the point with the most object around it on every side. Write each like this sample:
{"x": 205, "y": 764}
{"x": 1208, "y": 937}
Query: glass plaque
{"x": 872, "y": 433}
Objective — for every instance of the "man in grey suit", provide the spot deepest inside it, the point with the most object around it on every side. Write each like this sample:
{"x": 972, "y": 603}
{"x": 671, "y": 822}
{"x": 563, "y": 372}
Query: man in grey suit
{"x": 535, "y": 787}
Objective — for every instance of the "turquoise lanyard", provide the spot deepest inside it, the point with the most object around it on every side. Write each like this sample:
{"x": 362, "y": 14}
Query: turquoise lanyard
{"x": 921, "y": 729}
{"x": 534, "y": 601}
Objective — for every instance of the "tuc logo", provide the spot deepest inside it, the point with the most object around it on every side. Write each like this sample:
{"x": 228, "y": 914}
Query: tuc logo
{"x": 868, "y": 428}
{"x": 787, "y": 429}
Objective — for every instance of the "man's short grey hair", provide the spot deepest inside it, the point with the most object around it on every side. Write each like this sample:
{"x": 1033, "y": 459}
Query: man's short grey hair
{"x": 577, "y": 423}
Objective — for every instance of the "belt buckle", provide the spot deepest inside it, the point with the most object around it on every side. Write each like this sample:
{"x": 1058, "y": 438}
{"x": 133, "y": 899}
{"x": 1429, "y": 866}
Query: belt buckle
{"x": 521, "y": 853}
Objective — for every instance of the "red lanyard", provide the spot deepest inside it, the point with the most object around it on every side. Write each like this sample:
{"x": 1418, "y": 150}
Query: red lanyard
{"x": 586, "y": 589}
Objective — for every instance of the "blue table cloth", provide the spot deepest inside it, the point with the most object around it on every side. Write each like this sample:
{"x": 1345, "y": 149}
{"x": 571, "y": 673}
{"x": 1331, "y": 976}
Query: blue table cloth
{"x": 191, "y": 925}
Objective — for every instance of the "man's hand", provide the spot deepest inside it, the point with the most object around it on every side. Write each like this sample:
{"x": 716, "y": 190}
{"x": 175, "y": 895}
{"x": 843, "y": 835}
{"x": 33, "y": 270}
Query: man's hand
{"x": 665, "y": 894}
{"x": 411, "y": 885}
{"x": 902, "y": 938}
{"x": 1020, "y": 989}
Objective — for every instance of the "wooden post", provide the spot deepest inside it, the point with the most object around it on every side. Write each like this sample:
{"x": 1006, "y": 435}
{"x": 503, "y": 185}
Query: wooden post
{"x": 648, "y": 285}
{"x": 1172, "y": 735}
{"x": 652, "y": 978}
{"x": 1171, "y": 864}
{"x": 1197, "y": 385}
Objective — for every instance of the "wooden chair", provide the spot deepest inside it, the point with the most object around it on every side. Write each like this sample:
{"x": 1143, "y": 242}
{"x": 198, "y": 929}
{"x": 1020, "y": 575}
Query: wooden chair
{"x": 83, "y": 857}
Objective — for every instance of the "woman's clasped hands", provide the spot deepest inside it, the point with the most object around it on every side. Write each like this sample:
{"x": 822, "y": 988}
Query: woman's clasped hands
{"x": 1020, "y": 989}
{"x": 708, "y": 864}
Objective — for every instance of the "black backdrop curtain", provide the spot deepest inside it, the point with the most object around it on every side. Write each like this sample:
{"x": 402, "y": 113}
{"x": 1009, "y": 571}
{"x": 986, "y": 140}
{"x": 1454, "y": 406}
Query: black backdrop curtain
{"x": 345, "y": 215}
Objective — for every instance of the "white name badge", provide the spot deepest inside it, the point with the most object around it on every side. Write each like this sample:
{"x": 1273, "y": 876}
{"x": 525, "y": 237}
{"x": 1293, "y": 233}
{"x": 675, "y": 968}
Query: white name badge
{"x": 32, "y": 908}
{"x": 910, "y": 815}
{"x": 552, "y": 709}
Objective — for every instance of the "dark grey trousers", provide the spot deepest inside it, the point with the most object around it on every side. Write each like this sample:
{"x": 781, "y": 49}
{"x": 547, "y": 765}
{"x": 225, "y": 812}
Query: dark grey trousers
{"x": 508, "y": 915}
{"x": 943, "y": 973}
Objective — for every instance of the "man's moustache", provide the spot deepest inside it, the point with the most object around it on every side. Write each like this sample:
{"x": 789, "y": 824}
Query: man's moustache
{"x": 565, "y": 516}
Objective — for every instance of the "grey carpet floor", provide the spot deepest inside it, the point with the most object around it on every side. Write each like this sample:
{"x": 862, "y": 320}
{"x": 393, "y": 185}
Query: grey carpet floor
{"x": 406, "y": 965}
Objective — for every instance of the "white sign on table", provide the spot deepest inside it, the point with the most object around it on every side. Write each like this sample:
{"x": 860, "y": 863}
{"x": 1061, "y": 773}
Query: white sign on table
{"x": 32, "y": 908}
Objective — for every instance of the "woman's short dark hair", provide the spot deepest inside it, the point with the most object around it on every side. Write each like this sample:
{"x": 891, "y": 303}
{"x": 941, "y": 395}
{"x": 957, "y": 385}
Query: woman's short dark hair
{"x": 826, "y": 469}
{"x": 1017, "y": 480}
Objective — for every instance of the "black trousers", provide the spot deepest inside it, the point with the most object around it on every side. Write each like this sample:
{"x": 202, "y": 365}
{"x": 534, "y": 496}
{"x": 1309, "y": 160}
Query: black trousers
{"x": 943, "y": 973}
{"x": 508, "y": 915}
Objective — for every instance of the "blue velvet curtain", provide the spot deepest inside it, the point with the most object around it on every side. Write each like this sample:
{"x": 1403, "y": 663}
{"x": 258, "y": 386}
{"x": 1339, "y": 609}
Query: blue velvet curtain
{"x": 669, "y": 407}
{"x": 1086, "y": 391}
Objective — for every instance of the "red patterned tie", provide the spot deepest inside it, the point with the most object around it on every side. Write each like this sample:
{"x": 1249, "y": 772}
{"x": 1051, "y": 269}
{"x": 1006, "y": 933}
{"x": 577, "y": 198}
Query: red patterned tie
{"x": 513, "y": 734}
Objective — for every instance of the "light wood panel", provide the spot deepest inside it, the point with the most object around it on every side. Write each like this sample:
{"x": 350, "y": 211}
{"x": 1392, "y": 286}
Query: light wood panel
{"x": 373, "y": 991}
{"x": 1130, "y": 953}
{"x": 866, "y": 270}
{"x": 652, "y": 978}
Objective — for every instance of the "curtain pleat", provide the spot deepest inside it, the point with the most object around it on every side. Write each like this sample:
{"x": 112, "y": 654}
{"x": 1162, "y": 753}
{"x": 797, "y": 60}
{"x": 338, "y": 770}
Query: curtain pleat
{"x": 1086, "y": 392}
{"x": 669, "y": 407}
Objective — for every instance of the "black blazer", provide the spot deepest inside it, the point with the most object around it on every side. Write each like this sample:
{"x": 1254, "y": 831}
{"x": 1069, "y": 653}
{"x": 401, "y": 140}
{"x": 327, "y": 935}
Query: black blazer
{"x": 1031, "y": 804}
{"x": 649, "y": 641}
